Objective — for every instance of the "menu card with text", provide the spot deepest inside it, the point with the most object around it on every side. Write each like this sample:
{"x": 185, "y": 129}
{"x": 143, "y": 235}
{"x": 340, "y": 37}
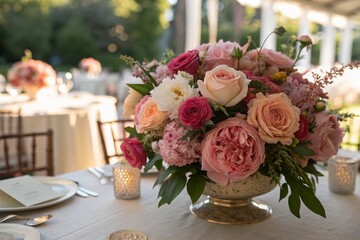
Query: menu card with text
{"x": 28, "y": 190}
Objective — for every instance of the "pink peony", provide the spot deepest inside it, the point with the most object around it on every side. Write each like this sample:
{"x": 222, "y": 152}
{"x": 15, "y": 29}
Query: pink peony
{"x": 326, "y": 137}
{"x": 134, "y": 152}
{"x": 270, "y": 62}
{"x": 187, "y": 62}
{"x": 275, "y": 117}
{"x": 220, "y": 53}
{"x": 232, "y": 151}
{"x": 177, "y": 152}
{"x": 194, "y": 112}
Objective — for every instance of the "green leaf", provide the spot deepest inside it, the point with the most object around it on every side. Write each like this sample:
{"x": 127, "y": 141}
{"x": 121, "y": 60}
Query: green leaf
{"x": 294, "y": 204}
{"x": 148, "y": 75}
{"x": 152, "y": 162}
{"x": 237, "y": 53}
{"x": 195, "y": 186}
{"x": 311, "y": 201}
{"x": 141, "y": 88}
{"x": 175, "y": 184}
{"x": 165, "y": 174}
{"x": 284, "y": 190}
{"x": 302, "y": 150}
{"x": 133, "y": 133}
{"x": 306, "y": 194}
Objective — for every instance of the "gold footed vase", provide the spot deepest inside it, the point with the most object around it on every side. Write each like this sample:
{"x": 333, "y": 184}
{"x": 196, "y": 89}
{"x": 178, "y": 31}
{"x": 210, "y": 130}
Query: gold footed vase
{"x": 234, "y": 203}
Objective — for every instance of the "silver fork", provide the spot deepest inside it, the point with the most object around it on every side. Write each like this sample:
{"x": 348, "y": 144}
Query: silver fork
{"x": 102, "y": 178}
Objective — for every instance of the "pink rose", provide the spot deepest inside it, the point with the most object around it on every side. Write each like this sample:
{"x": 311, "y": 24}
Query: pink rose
{"x": 134, "y": 152}
{"x": 220, "y": 53}
{"x": 224, "y": 86}
{"x": 187, "y": 62}
{"x": 275, "y": 117}
{"x": 303, "y": 133}
{"x": 231, "y": 151}
{"x": 194, "y": 112}
{"x": 174, "y": 150}
{"x": 148, "y": 116}
{"x": 326, "y": 137}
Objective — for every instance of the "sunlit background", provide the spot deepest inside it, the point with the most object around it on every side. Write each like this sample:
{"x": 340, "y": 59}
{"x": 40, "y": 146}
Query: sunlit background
{"x": 62, "y": 32}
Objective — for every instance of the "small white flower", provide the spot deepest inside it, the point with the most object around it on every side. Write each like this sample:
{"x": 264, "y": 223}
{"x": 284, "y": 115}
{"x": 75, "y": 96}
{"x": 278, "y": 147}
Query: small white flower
{"x": 172, "y": 92}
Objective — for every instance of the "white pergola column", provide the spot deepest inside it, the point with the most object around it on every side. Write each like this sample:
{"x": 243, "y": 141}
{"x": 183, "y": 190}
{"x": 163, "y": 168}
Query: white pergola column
{"x": 268, "y": 24}
{"x": 193, "y": 24}
{"x": 346, "y": 43}
{"x": 327, "y": 51}
{"x": 304, "y": 29}
{"x": 213, "y": 16}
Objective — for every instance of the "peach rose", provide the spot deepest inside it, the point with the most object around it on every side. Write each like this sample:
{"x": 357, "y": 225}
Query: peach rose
{"x": 275, "y": 117}
{"x": 224, "y": 86}
{"x": 148, "y": 116}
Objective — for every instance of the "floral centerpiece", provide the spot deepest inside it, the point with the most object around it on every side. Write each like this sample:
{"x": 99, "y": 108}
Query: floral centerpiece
{"x": 221, "y": 113}
{"x": 31, "y": 75}
{"x": 90, "y": 65}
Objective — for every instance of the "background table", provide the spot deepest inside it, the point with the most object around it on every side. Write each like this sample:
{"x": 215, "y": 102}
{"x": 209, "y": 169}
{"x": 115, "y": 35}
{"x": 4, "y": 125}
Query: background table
{"x": 95, "y": 218}
{"x": 73, "y": 118}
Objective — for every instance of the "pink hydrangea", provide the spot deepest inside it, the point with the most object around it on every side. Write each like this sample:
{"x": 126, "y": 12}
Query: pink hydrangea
{"x": 177, "y": 152}
{"x": 232, "y": 151}
{"x": 302, "y": 93}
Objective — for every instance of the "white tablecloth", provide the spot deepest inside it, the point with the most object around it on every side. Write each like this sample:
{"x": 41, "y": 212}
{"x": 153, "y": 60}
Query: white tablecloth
{"x": 73, "y": 119}
{"x": 95, "y": 218}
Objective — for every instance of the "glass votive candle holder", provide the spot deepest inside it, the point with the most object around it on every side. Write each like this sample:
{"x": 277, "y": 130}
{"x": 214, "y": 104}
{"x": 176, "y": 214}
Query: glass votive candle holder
{"x": 342, "y": 174}
{"x": 126, "y": 180}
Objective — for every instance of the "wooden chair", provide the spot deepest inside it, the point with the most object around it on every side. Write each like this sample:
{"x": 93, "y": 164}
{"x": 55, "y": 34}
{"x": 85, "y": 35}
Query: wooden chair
{"x": 35, "y": 146}
{"x": 112, "y": 134}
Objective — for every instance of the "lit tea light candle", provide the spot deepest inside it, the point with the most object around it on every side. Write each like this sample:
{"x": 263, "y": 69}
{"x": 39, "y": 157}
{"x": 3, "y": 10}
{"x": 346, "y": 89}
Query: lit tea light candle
{"x": 126, "y": 180}
{"x": 342, "y": 174}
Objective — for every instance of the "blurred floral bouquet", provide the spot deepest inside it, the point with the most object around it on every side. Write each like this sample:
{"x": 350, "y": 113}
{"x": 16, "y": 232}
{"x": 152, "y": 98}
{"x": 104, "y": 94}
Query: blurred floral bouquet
{"x": 222, "y": 113}
{"x": 90, "y": 65}
{"x": 31, "y": 74}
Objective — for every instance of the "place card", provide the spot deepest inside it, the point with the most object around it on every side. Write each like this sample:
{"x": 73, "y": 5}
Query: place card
{"x": 28, "y": 190}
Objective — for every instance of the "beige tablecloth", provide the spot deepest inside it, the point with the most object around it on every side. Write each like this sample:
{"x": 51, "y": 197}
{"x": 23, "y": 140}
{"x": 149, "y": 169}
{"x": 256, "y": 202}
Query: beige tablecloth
{"x": 73, "y": 119}
{"x": 95, "y": 218}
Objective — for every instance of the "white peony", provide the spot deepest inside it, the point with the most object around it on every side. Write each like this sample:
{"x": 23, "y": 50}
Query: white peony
{"x": 172, "y": 92}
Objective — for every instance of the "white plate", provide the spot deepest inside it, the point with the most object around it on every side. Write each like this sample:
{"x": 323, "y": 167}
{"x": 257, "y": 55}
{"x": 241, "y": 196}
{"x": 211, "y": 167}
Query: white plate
{"x": 9, "y": 231}
{"x": 65, "y": 187}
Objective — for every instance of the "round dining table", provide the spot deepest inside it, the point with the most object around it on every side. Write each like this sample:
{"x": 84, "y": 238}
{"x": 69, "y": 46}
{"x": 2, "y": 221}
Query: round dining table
{"x": 73, "y": 119}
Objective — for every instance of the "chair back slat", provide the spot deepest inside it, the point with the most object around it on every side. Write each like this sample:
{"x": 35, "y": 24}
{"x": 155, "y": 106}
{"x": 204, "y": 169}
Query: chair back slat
{"x": 112, "y": 133}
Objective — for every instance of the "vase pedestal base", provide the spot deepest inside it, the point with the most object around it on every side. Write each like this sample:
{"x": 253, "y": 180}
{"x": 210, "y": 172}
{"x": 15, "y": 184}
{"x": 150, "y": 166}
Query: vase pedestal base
{"x": 236, "y": 211}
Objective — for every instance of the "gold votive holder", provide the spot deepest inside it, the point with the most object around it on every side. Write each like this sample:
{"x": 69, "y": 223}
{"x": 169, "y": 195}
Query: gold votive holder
{"x": 342, "y": 174}
{"x": 126, "y": 180}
